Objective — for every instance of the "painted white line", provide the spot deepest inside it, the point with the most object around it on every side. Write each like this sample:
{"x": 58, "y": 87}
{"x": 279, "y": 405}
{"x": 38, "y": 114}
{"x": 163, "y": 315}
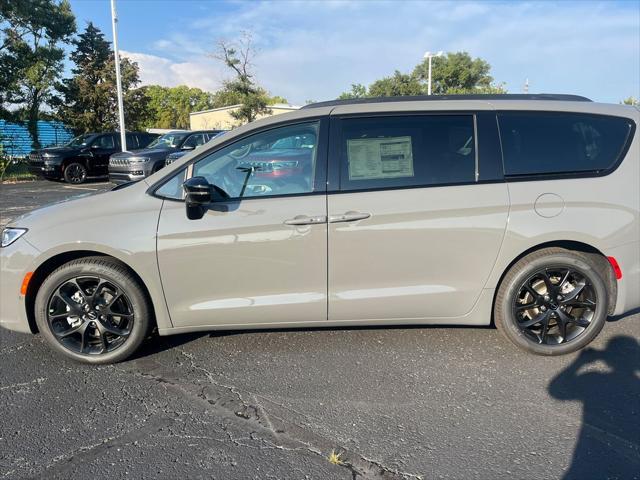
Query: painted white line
{"x": 81, "y": 188}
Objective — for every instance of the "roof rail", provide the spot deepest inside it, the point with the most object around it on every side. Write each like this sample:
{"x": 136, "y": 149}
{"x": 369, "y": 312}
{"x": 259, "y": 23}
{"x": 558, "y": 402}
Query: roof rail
{"x": 412, "y": 98}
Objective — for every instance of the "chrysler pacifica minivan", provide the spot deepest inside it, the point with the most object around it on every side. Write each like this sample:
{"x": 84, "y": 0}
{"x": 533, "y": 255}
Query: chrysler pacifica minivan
{"x": 518, "y": 210}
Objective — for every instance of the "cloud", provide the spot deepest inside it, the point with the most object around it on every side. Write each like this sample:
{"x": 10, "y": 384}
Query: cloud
{"x": 315, "y": 50}
{"x": 156, "y": 70}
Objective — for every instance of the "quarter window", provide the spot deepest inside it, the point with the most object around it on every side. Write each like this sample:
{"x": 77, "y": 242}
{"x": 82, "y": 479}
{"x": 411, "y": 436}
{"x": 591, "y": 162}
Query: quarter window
{"x": 423, "y": 150}
{"x": 551, "y": 143}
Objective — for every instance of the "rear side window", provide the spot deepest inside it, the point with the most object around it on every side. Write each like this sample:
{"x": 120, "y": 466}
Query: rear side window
{"x": 551, "y": 143}
{"x": 423, "y": 150}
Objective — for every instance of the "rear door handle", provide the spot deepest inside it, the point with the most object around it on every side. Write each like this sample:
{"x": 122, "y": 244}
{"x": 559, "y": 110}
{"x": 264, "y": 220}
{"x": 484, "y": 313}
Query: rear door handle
{"x": 348, "y": 217}
{"x": 306, "y": 220}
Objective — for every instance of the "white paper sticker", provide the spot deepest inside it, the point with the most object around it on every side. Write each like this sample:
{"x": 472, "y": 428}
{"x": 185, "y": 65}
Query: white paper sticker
{"x": 380, "y": 158}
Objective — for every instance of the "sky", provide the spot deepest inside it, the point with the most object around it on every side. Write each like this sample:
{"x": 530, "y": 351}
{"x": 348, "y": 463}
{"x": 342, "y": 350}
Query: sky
{"x": 314, "y": 50}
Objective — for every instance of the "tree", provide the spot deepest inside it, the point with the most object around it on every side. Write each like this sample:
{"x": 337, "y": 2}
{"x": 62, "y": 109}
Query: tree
{"x": 631, "y": 101}
{"x": 253, "y": 99}
{"x": 31, "y": 34}
{"x": 458, "y": 73}
{"x": 399, "y": 84}
{"x": 89, "y": 99}
{"x": 357, "y": 91}
{"x": 169, "y": 107}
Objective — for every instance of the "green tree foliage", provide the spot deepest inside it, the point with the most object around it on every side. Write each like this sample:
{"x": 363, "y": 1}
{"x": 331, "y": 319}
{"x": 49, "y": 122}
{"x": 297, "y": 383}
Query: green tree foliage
{"x": 399, "y": 84}
{"x": 631, "y": 101}
{"x": 31, "y": 34}
{"x": 455, "y": 73}
{"x": 88, "y": 100}
{"x": 253, "y": 99}
{"x": 169, "y": 107}
{"x": 357, "y": 91}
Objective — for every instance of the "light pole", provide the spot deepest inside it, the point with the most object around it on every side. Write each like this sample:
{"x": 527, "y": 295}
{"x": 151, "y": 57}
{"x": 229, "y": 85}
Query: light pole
{"x": 116, "y": 58}
{"x": 429, "y": 56}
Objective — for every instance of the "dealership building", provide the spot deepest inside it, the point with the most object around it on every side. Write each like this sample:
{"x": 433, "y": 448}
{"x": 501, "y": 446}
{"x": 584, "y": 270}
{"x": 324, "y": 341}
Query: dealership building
{"x": 221, "y": 118}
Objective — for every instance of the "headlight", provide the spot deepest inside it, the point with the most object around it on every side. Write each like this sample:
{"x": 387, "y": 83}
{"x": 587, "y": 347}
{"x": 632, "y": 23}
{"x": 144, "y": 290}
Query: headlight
{"x": 138, "y": 159}
{"x": 10, "y": 235}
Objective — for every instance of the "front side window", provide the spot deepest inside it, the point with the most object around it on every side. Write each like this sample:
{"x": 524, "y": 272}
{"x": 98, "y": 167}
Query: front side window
{"x": 421, "y": 150}
{"x": 550, "y": 143}
{"x": 193, "y": 141}
{"x": 281, "y": 161}
{"x": 104, "y": 141}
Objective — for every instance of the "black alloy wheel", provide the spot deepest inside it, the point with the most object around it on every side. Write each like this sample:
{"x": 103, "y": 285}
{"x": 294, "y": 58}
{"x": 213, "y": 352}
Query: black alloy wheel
{"x": 93, "y": 310}
{"x": 555, "y": 305}
{"x": 75, "y": 173}
{"x": 554, "y": 301}
{"x": 90, "y": 315}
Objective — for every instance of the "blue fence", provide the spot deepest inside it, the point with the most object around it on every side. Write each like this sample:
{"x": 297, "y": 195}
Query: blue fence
{"x": 16, "y": 141}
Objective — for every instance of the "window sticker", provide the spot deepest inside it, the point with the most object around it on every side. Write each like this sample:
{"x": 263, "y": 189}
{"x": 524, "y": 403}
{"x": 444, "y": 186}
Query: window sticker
{"x": 380, "y": 158}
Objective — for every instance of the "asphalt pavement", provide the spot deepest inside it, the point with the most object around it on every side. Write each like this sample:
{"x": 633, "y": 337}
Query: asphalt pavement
{"x": 391, "y": 403}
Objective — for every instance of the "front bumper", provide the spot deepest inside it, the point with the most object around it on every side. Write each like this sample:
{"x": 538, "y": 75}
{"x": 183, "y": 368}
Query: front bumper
{"x": 46, "y": 170}
{"x": 128, "y": 172}
{"x": 15, "y": 261}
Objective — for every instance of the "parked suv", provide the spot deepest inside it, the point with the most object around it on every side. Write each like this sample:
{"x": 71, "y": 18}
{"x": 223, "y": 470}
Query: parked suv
{"x": 523, "y": 210}
{"x": 135, "y": 165}
{"x": 84, "y": 156}
{"x": 172, "y": 157}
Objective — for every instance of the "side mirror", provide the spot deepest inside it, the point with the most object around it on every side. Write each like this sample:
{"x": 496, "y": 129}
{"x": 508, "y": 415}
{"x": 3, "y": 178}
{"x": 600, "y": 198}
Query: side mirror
{"x": 197, "y": 197}
{"x": 187, "y": 147}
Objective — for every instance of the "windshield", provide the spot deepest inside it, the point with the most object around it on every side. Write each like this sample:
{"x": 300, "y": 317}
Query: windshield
{"x": 168, "y": 140}
{"x": 81, "y": 141}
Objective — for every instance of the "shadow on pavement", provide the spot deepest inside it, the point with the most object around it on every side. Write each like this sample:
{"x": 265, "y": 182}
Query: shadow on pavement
{"x": 608, "y": 445}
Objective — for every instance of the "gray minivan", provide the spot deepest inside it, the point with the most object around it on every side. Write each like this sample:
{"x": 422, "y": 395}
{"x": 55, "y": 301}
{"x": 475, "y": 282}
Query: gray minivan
{"x": 521, "y": 210}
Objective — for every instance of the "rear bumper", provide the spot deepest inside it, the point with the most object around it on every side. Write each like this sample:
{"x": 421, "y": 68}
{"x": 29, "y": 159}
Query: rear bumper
{"x": 628, "y": 257}
{"x": 15, "y": 261}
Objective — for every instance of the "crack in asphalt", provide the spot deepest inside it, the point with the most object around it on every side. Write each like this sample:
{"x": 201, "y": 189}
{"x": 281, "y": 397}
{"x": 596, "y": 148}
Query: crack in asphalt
{"x": 270, "y": 430}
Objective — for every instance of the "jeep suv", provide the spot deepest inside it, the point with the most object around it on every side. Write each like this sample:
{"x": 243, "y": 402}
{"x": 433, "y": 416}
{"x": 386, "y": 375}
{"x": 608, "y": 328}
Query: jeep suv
{"x": 84, "y": 156}
{"x": 132, "y": 166}
{"x": 518, "y": 210}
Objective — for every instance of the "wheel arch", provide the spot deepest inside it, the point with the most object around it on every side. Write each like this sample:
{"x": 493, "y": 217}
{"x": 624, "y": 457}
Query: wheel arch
{"x": 57, "y": 260}
{"x": 595, "y": 255}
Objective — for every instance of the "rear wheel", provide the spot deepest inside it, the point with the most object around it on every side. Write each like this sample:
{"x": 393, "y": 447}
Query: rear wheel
{"x": 552, "y": 302}
{"x": 75, "y": 173}
{"x": 93, "y": 310}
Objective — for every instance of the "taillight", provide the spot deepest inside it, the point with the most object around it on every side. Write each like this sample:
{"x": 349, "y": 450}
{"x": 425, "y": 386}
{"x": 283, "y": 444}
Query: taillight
{"x": 616, "y": 267}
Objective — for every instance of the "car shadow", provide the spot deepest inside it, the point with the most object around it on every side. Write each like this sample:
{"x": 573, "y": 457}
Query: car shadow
{"x": 608, "y": 444}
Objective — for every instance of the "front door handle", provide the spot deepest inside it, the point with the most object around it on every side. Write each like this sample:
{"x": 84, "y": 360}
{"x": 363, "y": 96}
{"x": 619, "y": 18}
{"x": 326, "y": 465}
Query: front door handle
{"x": 348, "y": 217}
{"x": 306, "y": 220}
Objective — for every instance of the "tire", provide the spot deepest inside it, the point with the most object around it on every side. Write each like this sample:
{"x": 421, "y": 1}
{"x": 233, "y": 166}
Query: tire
{"x": 75, "y": 173}
{"x": 106, "y": 323}
{"x": 581, "y": 296}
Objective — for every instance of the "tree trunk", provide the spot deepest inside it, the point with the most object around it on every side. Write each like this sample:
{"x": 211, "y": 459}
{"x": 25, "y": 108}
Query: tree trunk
{"x": 32, "y": 122}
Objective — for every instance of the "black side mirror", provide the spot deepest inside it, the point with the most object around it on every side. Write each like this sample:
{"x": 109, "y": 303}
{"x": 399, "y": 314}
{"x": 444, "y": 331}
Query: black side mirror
{"x": 187, "y": 147}
{"x": 197, "y": 197}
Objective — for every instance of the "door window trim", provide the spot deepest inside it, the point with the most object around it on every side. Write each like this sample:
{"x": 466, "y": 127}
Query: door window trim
{"x": 320, "y": 174}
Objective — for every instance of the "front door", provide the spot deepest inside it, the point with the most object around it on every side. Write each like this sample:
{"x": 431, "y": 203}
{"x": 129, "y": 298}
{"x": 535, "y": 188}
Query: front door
{"x": 260, "y": 256}
{"x": 413, "y": 230}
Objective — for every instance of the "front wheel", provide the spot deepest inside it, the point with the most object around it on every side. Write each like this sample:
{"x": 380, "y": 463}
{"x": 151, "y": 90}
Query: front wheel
{"x": 552, "y": 302}
{"x": 75, "y": 173}
{"x": 93, "y": 310}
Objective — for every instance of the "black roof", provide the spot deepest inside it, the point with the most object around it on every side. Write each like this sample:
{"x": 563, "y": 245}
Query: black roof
{"x": 412, "y": 98}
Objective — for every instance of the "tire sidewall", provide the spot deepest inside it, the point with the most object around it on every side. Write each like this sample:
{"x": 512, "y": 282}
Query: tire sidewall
{"x": 511, "y": 286}
{"x": 134, "y": 293}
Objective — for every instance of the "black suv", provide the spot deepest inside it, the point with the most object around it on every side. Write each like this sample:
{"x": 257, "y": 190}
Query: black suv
{"x": 133, "y": 166}
{"x": 84, "y": 156}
